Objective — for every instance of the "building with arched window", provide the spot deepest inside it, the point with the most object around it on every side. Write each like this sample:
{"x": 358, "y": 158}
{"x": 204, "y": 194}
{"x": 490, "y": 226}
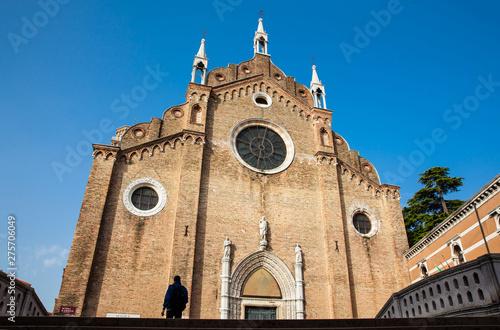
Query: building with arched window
{"x": 247, "y": 194}
{"x": 19, "y": 297}
{"x": 459, "y": 238}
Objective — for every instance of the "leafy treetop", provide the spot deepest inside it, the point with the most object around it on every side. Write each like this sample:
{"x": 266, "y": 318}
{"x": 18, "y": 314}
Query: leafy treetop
{"x": 427, "y": 208}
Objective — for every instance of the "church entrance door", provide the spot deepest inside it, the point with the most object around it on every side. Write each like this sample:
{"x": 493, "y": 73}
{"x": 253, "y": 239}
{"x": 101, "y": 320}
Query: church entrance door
{"x": 260, "y": 313}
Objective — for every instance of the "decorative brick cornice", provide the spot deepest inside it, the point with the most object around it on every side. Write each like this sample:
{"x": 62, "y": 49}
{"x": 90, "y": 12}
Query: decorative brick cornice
{"x": 250, "y": 85}
{"x": 329, "y": 158}
{"x": 105, "y": 152}
{"x": 384, "y": 190}
{"x": 111, "y": 152}
{"x": 483, "y": 195}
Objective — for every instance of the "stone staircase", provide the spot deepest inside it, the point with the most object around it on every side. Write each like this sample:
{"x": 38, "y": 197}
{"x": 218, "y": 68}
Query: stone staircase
{"x": 74, "y": 323}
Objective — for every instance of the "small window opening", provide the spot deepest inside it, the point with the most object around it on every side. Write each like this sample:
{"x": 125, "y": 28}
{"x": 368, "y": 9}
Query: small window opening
{"x": 423, "y": 271}
{"x": 459, "y": 254}
{"x": 318, "y": 97}
{"x": 196, "y": 114}
{"x": 476, "y": 278}
{"x": 481, "y": 294}
{"x": 325, "y": 138}
{"x": 145, "y": 198}
{"x": 362, "y": 223}
{"x": 261, "y": 100}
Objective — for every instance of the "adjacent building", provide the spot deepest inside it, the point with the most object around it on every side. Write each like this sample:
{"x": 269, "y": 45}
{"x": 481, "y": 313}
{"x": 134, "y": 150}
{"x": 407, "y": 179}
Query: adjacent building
{"x": 26, "y": 300}
{"x": 460, "y": 238}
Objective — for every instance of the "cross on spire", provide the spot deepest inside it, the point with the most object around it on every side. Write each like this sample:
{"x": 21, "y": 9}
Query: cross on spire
{"x": 204, "y": 32}
{"x": 260, "y": 13}
{"x": 313, "y": 58}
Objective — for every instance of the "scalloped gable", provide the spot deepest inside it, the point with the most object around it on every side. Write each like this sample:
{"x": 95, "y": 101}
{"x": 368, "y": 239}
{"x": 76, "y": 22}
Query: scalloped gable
{"x": 259, "y": 64}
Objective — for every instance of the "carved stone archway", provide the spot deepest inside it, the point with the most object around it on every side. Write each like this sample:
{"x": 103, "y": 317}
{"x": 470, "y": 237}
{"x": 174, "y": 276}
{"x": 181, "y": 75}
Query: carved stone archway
{"x": 277, "y": 268}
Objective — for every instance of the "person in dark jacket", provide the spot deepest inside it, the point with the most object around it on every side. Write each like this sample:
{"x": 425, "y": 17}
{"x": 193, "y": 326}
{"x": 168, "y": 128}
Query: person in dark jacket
{"x": 176, "y": 299}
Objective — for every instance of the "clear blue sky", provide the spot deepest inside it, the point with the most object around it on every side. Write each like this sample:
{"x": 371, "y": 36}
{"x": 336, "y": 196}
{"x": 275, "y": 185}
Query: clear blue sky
{"x": 419, "y": 71}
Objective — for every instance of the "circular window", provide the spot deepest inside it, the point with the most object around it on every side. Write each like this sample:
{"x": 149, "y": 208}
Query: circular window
{"x": 177, "y": 113}
{"x": 277, "y": 76}
{"x": 362, "y": 224}
{"x": 302, "y": 93}
{"x": 262, "y": 146}
{"x": 138, "y": 132}
{"x": 144, "y": 197}
{"x": 262, "y": 100}
{"x": 220, "y": 77}
{"x": 246, "y": 69}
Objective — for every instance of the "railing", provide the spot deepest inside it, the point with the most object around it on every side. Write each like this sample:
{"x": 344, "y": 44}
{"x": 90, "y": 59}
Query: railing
{"x": 469, "y": 288}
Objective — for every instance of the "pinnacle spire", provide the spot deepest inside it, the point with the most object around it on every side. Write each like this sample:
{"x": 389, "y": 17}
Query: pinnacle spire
{"x": 318, "y": 90}
{"x": 200, "y": 63}
{"x": 315, "y": 79}
{"x": 260, "y": 40}
{"x": 261, "y": 26}
{"x": 201, "y": 51}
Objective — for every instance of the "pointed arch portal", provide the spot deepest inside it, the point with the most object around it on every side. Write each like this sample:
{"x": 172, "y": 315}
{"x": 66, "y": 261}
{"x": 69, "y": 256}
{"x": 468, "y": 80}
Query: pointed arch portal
{"x": 268, "y": 268}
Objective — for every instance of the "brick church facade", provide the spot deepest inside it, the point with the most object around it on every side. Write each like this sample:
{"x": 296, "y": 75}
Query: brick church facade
{"x": 247, "y": 194}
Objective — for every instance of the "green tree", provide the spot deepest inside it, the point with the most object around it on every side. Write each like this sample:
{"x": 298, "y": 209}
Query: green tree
{"x": 427, "y": 208}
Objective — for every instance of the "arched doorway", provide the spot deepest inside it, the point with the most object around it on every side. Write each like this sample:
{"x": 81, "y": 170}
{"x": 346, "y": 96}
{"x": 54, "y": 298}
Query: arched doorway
{"x": 262, "y": 286}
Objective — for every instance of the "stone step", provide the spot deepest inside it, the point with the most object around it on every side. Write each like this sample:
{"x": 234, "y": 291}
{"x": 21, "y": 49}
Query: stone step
{"x": 455, "y": 323}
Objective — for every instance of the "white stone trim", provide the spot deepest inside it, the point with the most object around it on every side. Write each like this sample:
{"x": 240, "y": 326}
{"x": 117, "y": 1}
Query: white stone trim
{"x": 456, "y": 241}
{"x": 420, "y": 264}
{"x": 495, "y": 214}
{"x": 144, "y": 182}
{"x": 361, "y": 207}
{"x": 290, "y": 148}
{"x": 264, "y": 95}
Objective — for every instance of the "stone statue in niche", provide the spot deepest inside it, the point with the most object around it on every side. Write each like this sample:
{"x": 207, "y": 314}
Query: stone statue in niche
{"x": 227, "y": 248}
{"x": 263, "y": 232}
{"x": 298, "y": 254}
{"x": 263, "y": 229}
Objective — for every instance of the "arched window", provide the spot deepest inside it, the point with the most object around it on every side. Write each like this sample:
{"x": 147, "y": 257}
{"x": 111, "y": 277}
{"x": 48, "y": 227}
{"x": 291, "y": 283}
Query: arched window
{"x": 318, "y": 93}
{"x": 325, "y": 137}
{"x": 459, "y": 254}
{"x": 423, "y": 271}
{"x": 196, "y": 114}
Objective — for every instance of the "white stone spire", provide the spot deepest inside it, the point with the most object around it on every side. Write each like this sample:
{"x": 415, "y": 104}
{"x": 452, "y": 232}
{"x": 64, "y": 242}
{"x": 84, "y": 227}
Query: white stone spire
{"x": 200, "y": 63}
{"x": 261, "y": 26}
{"x": 201, "y": 51}
{"x": 318, "y": 90}
{"x": 315, "y": 79}
{"x": 260, "y": 40}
